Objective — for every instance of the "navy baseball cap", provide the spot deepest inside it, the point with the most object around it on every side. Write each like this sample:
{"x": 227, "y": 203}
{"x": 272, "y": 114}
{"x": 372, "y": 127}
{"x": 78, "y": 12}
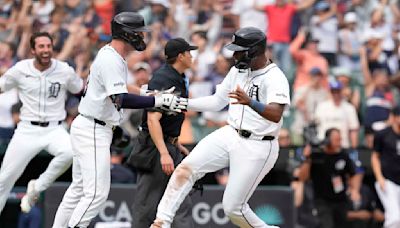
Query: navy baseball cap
{"x": 335, "y": 85}
{"x": 176, "y": 46}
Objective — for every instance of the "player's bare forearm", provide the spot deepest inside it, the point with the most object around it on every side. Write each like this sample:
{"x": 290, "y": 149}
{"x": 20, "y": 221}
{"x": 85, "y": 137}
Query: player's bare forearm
{"x": 272, "y": 112}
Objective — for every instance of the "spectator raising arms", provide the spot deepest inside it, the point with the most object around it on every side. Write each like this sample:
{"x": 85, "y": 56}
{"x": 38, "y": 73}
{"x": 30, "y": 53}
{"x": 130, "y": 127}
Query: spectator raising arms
{"x": 280, "y": 16}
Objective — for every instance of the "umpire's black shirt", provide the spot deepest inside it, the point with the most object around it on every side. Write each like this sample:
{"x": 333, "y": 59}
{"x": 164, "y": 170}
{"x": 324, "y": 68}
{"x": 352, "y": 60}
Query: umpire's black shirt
{"x": 329, "y": 174}
{"x": 387, "y": 144}
{"x": 164, "y": 78}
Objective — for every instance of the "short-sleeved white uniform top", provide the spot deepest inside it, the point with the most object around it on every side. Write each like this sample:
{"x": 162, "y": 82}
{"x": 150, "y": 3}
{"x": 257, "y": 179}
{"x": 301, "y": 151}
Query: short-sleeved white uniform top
{"x": 108, "y": 75}
{"x": 43, "y": 94}
{"x": 266, "y": 85}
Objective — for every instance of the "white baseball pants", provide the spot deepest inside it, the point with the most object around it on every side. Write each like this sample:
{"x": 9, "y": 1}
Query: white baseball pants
{"x": 249, "y": 162}
{"x": 90, "y": 174}
{"x": 27, "y": 141}
{"x": 390, "y": 199}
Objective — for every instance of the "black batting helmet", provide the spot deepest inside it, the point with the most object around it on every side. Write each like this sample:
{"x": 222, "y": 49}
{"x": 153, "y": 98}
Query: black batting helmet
{"x": 127, "y": 26}
{"x": 251, "y": 40}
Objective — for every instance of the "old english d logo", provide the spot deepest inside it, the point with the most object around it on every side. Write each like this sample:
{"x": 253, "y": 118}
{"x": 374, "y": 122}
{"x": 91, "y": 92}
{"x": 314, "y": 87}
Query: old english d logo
{"x": 54, "y": 89}
{"x": 253, "y": 92}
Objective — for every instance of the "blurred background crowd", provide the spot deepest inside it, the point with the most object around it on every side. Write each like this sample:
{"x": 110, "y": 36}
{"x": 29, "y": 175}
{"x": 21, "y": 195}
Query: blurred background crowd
{"x": 341, "y": 58}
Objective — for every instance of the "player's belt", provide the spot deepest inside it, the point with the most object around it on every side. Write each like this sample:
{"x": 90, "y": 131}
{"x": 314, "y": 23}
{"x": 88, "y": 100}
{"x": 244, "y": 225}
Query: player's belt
{"x": 100, "y": 122}
{"x": 248, "y": 135}
{"x": 44, "y": 124}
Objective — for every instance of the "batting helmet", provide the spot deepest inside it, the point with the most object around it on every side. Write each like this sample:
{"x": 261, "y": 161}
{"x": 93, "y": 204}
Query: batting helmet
{"x": 127, "y": 26}
{"x": 250, "y": 40}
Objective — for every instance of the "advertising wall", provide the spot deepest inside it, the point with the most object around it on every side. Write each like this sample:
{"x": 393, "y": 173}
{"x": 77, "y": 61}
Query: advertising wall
{"x": 273, "y": 204}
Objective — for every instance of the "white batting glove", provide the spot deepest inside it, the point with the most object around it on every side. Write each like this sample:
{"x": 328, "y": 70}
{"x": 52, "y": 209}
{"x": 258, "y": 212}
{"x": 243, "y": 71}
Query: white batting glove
{"x": 170, "y": 102}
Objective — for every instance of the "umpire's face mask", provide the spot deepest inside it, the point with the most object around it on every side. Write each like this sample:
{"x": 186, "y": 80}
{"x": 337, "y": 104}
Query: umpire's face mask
{"x": 242, "y": 60}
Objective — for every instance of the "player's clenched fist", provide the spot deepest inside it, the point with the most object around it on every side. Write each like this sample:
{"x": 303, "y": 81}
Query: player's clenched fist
{"x": 171, "y": 102}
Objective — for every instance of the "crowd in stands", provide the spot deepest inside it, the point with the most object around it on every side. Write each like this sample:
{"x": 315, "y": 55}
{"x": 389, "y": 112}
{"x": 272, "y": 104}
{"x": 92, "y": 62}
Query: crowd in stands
{"x": 341, "y": 57}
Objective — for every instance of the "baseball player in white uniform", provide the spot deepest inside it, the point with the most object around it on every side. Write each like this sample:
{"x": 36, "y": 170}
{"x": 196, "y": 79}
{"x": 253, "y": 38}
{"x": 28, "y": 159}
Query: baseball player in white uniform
{"x": 257, "y": 92}
{"x": 100, "y": 110}
{"x": 42, "y": 83}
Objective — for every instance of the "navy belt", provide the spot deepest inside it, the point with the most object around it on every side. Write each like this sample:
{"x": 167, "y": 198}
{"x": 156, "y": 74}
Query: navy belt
{"x": 43, "y": 124}
{"x": 248, "y": 135}
{"x": 102, "y": 123}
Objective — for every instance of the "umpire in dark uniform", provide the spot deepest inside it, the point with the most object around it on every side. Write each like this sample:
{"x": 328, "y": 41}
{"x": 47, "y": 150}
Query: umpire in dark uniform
{"x": 157, "y": 151}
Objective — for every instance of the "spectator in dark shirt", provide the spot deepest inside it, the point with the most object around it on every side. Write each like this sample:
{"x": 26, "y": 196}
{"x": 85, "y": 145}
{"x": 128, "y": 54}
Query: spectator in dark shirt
{"x": 330, "y": 171}
{"x": 120, "y": 173}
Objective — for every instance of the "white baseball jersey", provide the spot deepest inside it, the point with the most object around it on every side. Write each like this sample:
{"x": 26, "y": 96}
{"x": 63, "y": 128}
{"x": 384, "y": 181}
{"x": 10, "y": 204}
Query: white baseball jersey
{"x": 266, "y": 85}
{"x": 108, "y": 75}
{"x": 43, "y": 94}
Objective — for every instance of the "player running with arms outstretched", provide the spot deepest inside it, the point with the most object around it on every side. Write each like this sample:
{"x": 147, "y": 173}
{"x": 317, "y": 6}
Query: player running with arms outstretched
{"x": 257, "y": 92}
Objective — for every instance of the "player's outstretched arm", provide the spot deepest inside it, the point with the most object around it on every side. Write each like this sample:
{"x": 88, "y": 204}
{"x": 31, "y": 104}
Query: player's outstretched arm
{"x": 209, "y": 103}
{"x": 165, "y": 101}
{"x": 272, "y": 112}
{"x": 132, "y": 101}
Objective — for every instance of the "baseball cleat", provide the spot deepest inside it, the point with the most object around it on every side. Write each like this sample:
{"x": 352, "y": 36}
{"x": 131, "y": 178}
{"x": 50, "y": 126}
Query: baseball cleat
{"x": 29, "y": 198}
